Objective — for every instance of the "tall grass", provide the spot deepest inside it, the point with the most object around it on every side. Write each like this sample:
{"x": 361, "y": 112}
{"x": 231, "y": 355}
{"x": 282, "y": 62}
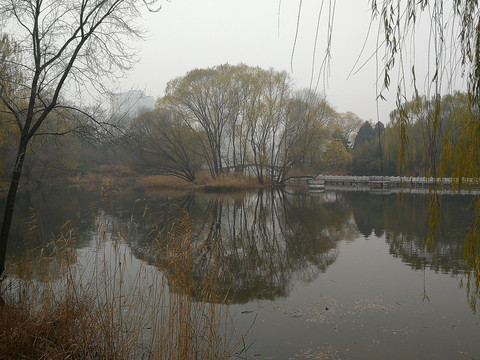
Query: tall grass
{"x": 104, "y": 303}
{"x": 233, "y": 181}
{"x": 224, "y": 182}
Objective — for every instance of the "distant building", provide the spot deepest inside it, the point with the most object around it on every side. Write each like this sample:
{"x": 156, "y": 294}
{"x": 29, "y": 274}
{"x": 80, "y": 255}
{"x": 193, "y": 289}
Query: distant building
{"x": 130, "y": 104}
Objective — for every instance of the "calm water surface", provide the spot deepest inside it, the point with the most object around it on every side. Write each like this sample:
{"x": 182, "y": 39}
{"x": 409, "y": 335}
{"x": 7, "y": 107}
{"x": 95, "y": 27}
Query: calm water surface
{"x": 335, "y": 275}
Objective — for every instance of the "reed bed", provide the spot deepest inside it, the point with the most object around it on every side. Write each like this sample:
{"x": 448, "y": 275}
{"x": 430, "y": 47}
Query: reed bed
{"x": 229, "y": 182}
{"x": 104, "y": 303}
{"x": 225, "y": 182}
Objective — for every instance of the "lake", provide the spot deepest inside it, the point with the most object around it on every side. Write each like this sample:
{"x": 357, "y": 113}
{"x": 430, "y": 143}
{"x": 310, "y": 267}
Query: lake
{"x": 330, "y": 275}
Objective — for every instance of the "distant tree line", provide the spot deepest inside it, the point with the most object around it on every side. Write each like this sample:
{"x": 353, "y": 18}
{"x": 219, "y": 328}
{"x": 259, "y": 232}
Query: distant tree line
{"x": 249, "y": 120}
{"x": 434, "y": 140}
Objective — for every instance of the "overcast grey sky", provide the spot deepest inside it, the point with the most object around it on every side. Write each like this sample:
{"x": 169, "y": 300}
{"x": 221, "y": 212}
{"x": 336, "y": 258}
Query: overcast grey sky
{"x": 189, "y": 34}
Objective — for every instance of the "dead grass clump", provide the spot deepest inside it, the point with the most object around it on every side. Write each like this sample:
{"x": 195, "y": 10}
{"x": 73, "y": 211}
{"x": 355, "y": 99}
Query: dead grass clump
{"x": 104, "y": 174}
{"x": 57, "y": 328}
{"x": 47, "y": 312}
{"x": 224, "y": 182}
{"x": 116, "y": 171}
{"x": 231, "y": 181}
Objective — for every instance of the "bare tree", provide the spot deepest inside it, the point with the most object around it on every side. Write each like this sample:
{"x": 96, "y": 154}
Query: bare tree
{"x": 71, "y": 45}
{"x": 166, "y": 145}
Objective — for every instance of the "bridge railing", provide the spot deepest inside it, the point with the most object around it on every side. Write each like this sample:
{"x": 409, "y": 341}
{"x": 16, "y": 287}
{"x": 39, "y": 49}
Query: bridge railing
{"x": 400, "y": 181}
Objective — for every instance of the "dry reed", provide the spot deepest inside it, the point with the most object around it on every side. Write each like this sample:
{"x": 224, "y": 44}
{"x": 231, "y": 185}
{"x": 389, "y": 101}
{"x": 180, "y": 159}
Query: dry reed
{"x": 232, "y": 182}
{"x": 224, "y": 182}
{"x": 109, "y": 305}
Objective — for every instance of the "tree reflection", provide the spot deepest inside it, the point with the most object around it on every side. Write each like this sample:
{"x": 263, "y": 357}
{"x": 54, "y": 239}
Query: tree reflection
{"x": 264, "y": 240}
{"x": 404, "y": 218}
{"x": 472, "y": 260}
{"x": 258, "y": 243}
{"x": 42, "y": 216}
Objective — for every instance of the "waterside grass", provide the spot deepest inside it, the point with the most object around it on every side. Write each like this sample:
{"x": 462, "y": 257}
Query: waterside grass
{"x": 106, "y": 304}
{"x": 203, "y": 182}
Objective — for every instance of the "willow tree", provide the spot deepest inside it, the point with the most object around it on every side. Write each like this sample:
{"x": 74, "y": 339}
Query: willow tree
{"x": 206, "y": 100}
{"x": 449, "y": 49}
{"x": 454, "y": 53}
{"x": 450, "y": 52}
{"x": 73, "y": 46}
{"x": 269, "y": 126}
{"x": 309, "y": 117}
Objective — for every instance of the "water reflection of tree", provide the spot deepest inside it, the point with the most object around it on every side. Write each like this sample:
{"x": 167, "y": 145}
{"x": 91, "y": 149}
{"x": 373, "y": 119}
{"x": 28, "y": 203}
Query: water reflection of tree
{"x": 40, "y": 214}
{"x": 41, "y": 217}
{"x": 404, "y": 218}
{"x": 34, "y": 251}
{"x": 265, "y": 240}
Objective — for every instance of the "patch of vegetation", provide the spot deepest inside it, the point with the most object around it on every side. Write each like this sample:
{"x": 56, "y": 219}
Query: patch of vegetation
{"x": 99, "y": 307}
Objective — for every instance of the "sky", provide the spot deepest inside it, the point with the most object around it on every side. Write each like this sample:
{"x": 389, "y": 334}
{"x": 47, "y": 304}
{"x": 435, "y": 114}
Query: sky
{"x": 189, "y": 34}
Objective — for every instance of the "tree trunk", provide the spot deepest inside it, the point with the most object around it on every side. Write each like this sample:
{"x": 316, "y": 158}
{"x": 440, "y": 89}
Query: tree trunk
{"x": 12, "y": 194}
